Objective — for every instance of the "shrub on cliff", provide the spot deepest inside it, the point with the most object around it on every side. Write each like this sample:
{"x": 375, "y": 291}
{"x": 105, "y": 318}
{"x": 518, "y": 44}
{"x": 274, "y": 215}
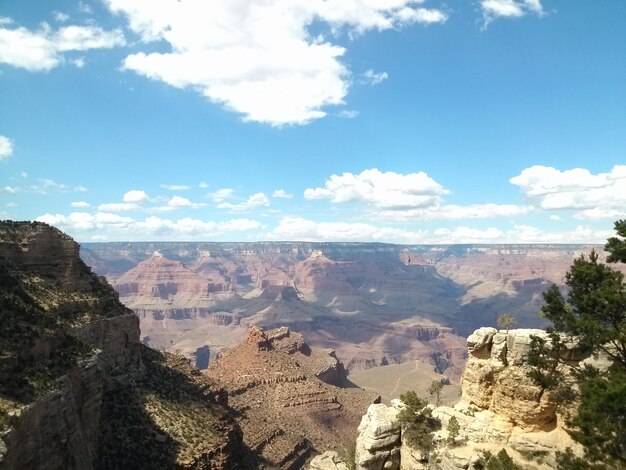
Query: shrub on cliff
{"x": 594, "y": 313}
{"x": 417, "y": 422}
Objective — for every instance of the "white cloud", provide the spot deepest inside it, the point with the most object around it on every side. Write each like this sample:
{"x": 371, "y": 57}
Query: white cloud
{"x": 387, "y": 190}
{"x": 135, "y": 195}
{"x": 118, "y": 207}
{"x": 23, "y": 174}
{"x": 47, "y": 185}
{"x": 203, "y": 185}
{"x": 11, "y": 204}
{"x": 80, "y": 204}
{"x": 43, "y": 49}
{"x": 84, "y": 221}
{"x": 454, "y": 212}
{"x": 282, "y": 194}
{"x": 592, "y": 196}
{"x": 254, "y": 201}
{"x": 373, "y": 78}
{"x": 84, "y": 8}
{"x": 221, "y": 195}
{"x": 81, "y": 189}
{"x": 518, "y": 234}
{"x": 79, "y": 63}
{"x": 175, "y": 187}
{"x": 509, "y": 8}
{"x": 113, "y": 226}
{"x": 6, "y": 147}
{"x": 258, "y": 58}
{"x": 60, "y": 16}
{"x": 348, "y": 113}
{"x": 296, "y": 228}
{"x": 178, "y": 202}
{"x": 8, "y": 190}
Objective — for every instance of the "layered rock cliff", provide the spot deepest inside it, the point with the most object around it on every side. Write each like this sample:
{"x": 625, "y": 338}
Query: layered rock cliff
{"x": 76, "y": 390}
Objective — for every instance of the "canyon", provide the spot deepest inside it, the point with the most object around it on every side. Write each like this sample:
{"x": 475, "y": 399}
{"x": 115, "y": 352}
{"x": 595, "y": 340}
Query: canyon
{"x": 374, "y": 304}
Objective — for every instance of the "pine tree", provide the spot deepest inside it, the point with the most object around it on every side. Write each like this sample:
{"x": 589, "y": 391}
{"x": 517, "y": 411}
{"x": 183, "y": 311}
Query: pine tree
{"x": 594, "y": 314}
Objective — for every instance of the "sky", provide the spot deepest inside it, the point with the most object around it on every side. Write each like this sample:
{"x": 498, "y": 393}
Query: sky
{"x": 398, "y": 121}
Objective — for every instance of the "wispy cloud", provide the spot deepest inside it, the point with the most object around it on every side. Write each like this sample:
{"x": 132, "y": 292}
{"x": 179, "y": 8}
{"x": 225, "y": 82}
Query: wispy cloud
{"x": 6, "y": 147}
{"x": 44, "y": 49}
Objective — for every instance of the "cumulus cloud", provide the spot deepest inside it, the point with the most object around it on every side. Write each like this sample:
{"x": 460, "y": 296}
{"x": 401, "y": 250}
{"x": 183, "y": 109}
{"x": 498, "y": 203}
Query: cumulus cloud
{"x": 113, "y": 226}
{"x": 281, "y": 194}
{"x": 179, "y": 202}
{"x": 404, "y": 197}
{"x": 455, "y": 212}
{"x": 6, "y": 147}
{"x": 8, "y": 190}
{"x": 592, "y": 196}
{"x": 297, "y": 228}
{"x": 135, "y": 196}
{"x": 80, "y": 204}
{"x": 175, "y": 187}
{"x": 258, "y": 58}
{"x": 386, "y": 190}
{"x": 85, "y": 221}
{"x": 221, "y": 195}
{"x": 254, "y": 201}
{"x": 519, "y": 233}
{"x": 117, "y": 207}
{"x": 493, "y": 9}
{"x": 44, "y": 49}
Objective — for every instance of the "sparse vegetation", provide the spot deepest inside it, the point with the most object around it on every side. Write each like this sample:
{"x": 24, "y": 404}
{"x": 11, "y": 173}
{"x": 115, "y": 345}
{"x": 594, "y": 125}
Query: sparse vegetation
{"x": 500, "y": 461}
{"x": 417, "y": 421}
{"x": 435, "y": 391}
{"x": 506, "y": 321}
{"x": 453, "y": 430}
{"x": 594, "y": 315}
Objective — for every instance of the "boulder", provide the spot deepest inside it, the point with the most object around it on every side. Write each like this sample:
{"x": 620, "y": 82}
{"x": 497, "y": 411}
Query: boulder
{"x": 378, "y": 442}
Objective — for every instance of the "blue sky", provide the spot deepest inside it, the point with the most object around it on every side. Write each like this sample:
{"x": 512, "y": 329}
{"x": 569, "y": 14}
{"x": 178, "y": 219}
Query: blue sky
{"x": 396, "y": 121}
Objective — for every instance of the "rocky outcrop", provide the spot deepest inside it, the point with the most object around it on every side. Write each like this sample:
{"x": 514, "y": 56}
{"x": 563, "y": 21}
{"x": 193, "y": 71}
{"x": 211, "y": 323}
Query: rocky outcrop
{"x": 378, "y": 443}
{"x": 329, "y": 460}
{"x": 285, "y": 409}
{"x": 501, "y": 407}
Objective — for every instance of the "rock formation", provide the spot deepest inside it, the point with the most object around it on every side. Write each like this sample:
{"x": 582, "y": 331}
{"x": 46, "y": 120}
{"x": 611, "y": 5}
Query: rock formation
{"x": 500, "y": 408}
{"x": 286, "y": 396}
{"x": 378, "y": 443}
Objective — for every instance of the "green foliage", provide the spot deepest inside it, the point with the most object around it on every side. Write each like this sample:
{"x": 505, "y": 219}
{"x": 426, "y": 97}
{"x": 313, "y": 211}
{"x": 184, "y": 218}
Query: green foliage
{"x": 500, "y": 461}
{"x": 435, "y": 391}
{"x": 594, "y": 313}
{"x": 453, "y": 430}
{"x": 417, "y": 422}
{"x": 506, "y": 321}
{"x": 616, "y": 246}
{"x": 348, "y": 455}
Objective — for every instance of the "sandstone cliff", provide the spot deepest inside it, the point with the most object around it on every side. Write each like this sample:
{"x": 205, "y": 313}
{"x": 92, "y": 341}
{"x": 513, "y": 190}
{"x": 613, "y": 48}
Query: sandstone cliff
{"x": 500, "y": 408}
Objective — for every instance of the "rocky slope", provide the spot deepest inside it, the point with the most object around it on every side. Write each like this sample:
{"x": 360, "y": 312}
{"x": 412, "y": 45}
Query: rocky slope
{"x": 290, "y": 400}
{"x": 76, "y": 391}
